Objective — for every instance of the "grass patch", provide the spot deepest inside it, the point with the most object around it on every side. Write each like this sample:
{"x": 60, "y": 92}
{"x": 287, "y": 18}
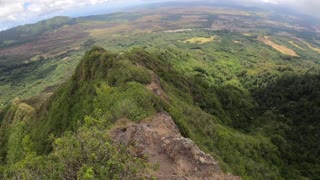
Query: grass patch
{"x": 295, "y": 45}
{"x": 280, "y": 48}
{"x": 310, "y": 46}
{"x": 200, "y": 40}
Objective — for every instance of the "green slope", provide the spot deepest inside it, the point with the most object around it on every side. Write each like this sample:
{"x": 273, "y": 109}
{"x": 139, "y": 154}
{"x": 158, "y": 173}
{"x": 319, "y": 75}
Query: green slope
{"x": 31, "y": 32}
{"x": 258, "y": 134}
{"x": 253, "y": 108}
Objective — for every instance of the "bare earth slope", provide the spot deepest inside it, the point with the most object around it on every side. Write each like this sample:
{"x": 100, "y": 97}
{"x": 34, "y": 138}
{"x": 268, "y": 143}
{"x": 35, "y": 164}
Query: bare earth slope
{"x": 159, "y": 139}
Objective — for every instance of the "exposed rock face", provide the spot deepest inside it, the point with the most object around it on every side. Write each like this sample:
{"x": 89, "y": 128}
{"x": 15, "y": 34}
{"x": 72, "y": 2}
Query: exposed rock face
{"x": 160, "y": 140}
{"x": 155, "y": 87}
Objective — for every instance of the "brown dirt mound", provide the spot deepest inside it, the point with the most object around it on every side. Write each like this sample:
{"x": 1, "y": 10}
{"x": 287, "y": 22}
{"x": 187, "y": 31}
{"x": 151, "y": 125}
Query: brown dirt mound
{"x": 159, "y": 139}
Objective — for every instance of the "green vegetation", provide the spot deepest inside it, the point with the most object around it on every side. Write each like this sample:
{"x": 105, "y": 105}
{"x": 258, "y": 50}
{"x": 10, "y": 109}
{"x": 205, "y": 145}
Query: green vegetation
{"x": 26, "y": 33}
{"x": 29, "y": 79}
{"x": 78, "y": 146}
{"x": 292, "y": 109}
{"x": 251, "y": 107}
{"x": 77, "y": 96}
{"x": 245, "y": 130}
{"x": 84, "y": 154}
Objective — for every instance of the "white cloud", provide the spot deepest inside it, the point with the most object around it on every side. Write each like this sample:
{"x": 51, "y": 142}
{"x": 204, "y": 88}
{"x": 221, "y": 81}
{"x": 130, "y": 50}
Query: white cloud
{"x": 310, "y": 7}
{"x": 271, "y": 1}
{"x": 9, "y": 9}
{"x": 15, "y": 12}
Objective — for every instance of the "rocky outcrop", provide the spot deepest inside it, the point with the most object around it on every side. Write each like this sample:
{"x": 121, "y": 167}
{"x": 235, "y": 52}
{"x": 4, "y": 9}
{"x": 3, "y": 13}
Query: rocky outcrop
{"x": 159, "y": 139}
{"x": 156, "y": 88}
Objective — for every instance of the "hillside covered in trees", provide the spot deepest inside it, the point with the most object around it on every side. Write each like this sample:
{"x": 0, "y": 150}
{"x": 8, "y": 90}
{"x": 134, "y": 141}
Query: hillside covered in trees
{"x": 259, "y": 134}
{"x": 244, "y": 90}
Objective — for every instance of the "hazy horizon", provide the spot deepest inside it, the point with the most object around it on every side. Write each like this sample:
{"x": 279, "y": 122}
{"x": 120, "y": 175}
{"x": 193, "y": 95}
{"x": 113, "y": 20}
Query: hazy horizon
{"x": 21, "y": 12}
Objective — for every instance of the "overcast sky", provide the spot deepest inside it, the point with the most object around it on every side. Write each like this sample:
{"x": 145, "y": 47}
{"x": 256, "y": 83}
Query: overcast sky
{"x": 17, "y": 12}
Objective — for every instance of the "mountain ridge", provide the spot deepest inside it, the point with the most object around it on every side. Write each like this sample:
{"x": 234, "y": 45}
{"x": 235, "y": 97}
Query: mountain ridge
{"x": 123, "y": 97}
{"x": 251, "y": 107}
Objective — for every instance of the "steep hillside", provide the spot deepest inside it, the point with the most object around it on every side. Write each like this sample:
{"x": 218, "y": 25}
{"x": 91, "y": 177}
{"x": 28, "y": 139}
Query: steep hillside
{"x": 30, "y": 32}
{"x": 105, "y": 89}
{"x": 238, "y": 84}
{"x": 36, "y": 56}
{"x": 133, "y": 87}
